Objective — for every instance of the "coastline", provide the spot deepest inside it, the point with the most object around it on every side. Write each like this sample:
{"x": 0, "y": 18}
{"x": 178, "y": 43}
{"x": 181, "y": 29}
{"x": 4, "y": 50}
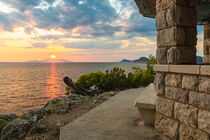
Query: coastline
{"x": 46, "y": 121}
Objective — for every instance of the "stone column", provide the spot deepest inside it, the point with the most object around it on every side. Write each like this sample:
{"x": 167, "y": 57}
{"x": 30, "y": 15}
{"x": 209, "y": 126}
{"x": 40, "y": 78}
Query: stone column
{"x": 176, "y": 22}
{"x": 206, "y": 44}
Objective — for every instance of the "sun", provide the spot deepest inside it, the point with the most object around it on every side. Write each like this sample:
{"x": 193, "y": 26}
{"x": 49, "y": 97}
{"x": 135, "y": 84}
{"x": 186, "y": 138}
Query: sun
{"x": 53, "y": 56}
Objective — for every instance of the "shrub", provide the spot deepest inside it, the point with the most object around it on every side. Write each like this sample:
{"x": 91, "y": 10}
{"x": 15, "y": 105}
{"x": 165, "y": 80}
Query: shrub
{"x": 148, "y": 75}
{"x": 114, "y": 79}
{"x": 3, "y": 123}
{"x": 90, "y": 79}
{"x": 117, "y": 79}
{"x": 55, "y": 131}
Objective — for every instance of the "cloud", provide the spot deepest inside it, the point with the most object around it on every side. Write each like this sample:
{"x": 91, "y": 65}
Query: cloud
{"x": 93, "y": 44}
{"x": 97, "y": 16}
{"x": 105, "y": 26}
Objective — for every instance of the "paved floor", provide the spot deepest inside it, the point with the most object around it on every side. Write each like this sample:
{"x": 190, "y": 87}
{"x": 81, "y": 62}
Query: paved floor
{"x": 115, "y": 119}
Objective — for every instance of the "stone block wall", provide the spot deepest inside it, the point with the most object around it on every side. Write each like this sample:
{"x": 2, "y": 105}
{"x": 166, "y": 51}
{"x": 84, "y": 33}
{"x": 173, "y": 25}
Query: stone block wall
{"x": 206, "y": 45}
{"x": 183, "y": 101}
{"x": 176, "y": 22}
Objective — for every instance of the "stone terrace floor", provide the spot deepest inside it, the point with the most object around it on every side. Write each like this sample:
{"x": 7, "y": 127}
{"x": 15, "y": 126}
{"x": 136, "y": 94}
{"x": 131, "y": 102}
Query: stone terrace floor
{"x": 115, "y": 119}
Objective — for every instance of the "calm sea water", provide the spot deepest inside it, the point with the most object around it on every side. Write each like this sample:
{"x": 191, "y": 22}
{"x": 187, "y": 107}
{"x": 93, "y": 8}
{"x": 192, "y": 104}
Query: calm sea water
{"x": 28, "y": 86}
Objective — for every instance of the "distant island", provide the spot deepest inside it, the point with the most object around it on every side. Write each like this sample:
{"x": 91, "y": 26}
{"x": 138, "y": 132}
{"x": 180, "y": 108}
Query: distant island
{"x": 199, "y": 60}
{"x": 49, "y": 61}
{"x": 140, "y": 60}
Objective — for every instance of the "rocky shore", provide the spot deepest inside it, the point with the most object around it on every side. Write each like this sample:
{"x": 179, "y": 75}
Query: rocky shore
{"x": 45, "y": 122}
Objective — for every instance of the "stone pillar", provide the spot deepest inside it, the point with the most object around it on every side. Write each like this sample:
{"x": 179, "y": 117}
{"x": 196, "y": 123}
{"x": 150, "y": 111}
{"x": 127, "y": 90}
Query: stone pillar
{"x": 176, "y": 22}
{"x": 206, "y": 44}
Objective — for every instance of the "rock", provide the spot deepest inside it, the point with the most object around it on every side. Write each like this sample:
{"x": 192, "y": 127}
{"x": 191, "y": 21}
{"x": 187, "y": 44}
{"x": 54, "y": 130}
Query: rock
{"x": 166, "y": 125}
{"x": 188, "y": 133}
{"x": 161, "y": 55}
{"x": 111, "y": 93}
{"x": 165, "y": 106}
{"x": 34, "y": 116}
{"x": 62, "y": 109}
{"x": 204, "y": 120}
{"x": 166, "y": 37}
{"x": 61, "y": 123}
{"x": 204, "y": 84}
{"x": 8, "y": 117}
{"x": 177, "y": 94}
{"x": 16, "y": 129}
{"x": 200, "y": 100}
{"x": 38, "y": 129}
{"x": 95, "y": 101}
{"x": 58, "y": 105}
{"x": 186, "y": 114}
{"x": 74, "y": 97}
{"x": 159, "y": 84}
{"x": 181, "y": 55}
{"x": 190, "y": 82}
{"x": 174, "y": 80}
{"x": 94, "y": 87}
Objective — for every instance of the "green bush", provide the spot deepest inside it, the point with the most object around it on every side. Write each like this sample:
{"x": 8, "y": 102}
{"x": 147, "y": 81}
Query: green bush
{"x": 114, "y": 79}
{"x": 3, "y": 123}
{"x": 90, "y": 79}
{"x": 117, "y": 79}
{"x": 55, "y": 131}
{"x": 148, "y": 75}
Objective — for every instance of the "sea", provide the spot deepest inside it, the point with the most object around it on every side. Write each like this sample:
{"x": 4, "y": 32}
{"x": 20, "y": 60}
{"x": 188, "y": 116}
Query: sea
{"x": 28, "y": 86}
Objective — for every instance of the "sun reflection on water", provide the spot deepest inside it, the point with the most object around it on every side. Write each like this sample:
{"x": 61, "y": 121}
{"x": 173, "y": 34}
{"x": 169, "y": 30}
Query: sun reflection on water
{"x": 53, "y": 86}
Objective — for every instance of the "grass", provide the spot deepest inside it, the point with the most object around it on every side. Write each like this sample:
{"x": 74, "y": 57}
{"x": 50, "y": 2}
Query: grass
{"x": 56, "y": 131}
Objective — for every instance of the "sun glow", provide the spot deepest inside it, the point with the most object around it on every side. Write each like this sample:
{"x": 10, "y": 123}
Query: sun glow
{"x": 53, "y": 56}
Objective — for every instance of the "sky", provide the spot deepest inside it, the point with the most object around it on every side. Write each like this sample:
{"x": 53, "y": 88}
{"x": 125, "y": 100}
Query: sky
{"x": 76, "y": 30}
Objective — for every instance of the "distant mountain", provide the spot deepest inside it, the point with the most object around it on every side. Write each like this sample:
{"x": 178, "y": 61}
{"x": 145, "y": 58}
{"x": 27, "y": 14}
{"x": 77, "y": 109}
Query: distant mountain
{"x": 33, "y": 61}
{"x": 126, "y": 60}
{"x": 199, "y": 59}
{"x": 140, "y": 60}
{"x": 49, "y": 61}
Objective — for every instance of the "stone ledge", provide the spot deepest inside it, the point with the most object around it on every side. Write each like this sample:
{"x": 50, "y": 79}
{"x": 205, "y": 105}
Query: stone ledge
{"x": 192, "y": 69}
{"x": 205, "y": 70}
{"x": 185, "y": 69}
{"x": 161, "y": 68}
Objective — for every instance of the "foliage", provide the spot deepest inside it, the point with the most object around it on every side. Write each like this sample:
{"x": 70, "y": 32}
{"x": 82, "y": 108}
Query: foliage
{"x": 117, "y": 79}
{"x": 148, "y": 75}
{"x": 3, "y": 123}
{"x": 90, "y": 79}
{"x": 67, "y": 90}
{"x": 55, "y": 131}
{"x": 114, "y": 79}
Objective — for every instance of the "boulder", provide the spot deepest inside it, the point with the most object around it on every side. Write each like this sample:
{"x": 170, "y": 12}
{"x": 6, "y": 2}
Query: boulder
{"x": 34, "y": 116}
{"x": 92, "y": 88}
{"x": 38, "y": 129}
{"x": 16, "y": 129}
{"x": 58, "y": 105}
{"x": 8, "y": 117}
{"x": 62, "y": 123}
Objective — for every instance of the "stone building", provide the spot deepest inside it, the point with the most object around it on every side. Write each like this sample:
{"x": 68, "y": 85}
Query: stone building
{"x": 182, "y": 86}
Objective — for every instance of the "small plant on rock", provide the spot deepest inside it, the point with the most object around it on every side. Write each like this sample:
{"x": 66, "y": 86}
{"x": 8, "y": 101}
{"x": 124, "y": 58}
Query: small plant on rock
{"x": 56, "y": 131}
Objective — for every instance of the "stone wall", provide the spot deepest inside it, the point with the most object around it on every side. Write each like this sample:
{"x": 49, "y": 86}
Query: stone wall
{"x": 183, "y": 101}
{"x": 176, "y": 22}
{"x": 206, "y": 45}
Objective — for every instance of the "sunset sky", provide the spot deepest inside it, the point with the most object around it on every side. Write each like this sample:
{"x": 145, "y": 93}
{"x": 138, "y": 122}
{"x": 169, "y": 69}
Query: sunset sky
{"x": 76, "y": 30}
